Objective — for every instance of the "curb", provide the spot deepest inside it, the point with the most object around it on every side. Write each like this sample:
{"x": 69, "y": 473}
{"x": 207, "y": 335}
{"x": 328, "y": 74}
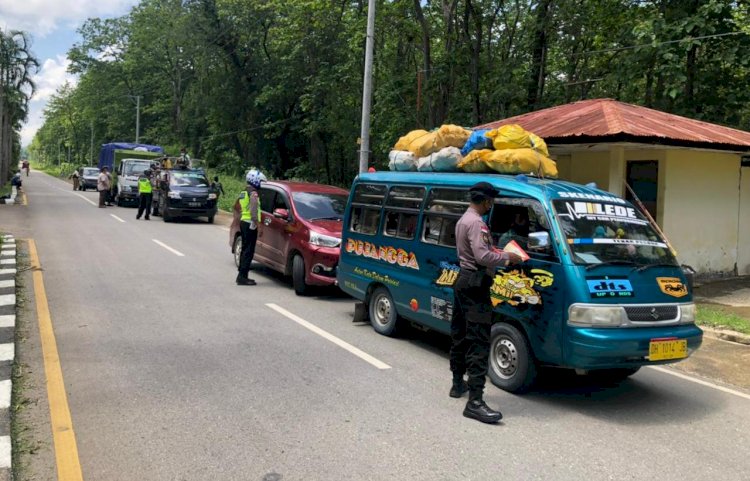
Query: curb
{"x": 731, "y": 336}
{"x": 7, "y": 348}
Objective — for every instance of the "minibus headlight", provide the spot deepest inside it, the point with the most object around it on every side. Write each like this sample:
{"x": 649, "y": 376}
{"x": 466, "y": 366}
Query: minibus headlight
{"x": 596, "y": 316}
{"x": 687, "y": 313}
{"x": 318, "y": 239}
{"x": 211, "y": 196}
{"x": 174, "y": 194}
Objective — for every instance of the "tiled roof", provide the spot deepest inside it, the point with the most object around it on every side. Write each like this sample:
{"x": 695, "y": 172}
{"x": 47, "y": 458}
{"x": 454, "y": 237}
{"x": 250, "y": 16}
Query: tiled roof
{"x": 588, "y": 119}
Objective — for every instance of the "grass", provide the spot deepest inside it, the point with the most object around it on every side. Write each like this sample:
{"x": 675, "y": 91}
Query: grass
{"x": 5, "y": 190}
{"x": 232, "y": 187}
{"x": 718, "y": 318}
{"x": 58, "y": 170}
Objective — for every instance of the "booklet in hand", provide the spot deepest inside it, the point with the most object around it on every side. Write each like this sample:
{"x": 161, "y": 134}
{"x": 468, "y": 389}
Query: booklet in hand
{"x": 516, "y": 249}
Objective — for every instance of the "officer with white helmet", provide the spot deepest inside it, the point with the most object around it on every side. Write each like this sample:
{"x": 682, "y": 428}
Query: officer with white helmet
{"x": 250, "y": 217}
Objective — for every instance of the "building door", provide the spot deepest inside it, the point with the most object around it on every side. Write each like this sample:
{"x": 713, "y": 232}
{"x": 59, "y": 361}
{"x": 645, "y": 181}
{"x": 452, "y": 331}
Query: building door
{"x": 743, "y": 219}
{"x": 643, "y": 177}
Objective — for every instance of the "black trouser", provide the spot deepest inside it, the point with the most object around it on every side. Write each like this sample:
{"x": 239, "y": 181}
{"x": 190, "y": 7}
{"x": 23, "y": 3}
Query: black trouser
{"x": 144, "y": 203}
{"x": 470, "y": 330}
{"x": 103, "y": 197}
{"x": 249, "y": 237}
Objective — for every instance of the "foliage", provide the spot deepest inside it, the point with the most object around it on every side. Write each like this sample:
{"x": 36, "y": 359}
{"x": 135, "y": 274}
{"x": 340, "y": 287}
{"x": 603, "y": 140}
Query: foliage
{"x": 278, "y": 84}
{"x": 17, "y": 65}
{"x": 718, "y": 318}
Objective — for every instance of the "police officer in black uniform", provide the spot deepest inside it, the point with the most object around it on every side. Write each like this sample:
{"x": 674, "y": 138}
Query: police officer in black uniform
{"x": 472, "y": 321}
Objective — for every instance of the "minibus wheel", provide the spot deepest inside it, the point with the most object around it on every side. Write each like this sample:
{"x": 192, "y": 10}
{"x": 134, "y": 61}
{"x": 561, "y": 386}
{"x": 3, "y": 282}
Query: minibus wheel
{"x": 237, "y": 250}
{"x": 511, "y": 365}
{"x": 382, "y": 310}
{"x": 298, "y": 275}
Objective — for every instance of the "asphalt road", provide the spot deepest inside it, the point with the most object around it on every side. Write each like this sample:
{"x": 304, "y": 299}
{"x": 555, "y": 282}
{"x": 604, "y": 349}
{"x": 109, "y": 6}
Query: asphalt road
{"x": 174, "y": 373}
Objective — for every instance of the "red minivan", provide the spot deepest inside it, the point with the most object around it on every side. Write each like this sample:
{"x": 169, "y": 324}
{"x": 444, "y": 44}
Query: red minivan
{"x": 301, "y": 231}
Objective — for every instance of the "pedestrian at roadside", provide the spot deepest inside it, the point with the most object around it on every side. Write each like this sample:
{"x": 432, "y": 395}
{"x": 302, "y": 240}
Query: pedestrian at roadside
{"x": 144, "y": 194}
{"x": 184, "y": 160}
{"x": 472, "y": 320}
{"x": 217, "y": 187}
{"x": 15, "y": 187}
{"x": 25, "y": 166}
{"x": 76, "y": 176}
{"x": 103, "y": 184}
{"x": 249, "y": 206}
{"x": 112, "y": 194}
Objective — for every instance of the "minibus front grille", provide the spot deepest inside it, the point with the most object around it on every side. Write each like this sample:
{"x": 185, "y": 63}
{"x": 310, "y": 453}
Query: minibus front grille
{"x": 651, "y": 313}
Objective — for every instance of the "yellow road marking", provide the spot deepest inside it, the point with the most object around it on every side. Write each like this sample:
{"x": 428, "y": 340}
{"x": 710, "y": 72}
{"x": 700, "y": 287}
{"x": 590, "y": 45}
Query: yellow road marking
{"x": 66, "y": 450}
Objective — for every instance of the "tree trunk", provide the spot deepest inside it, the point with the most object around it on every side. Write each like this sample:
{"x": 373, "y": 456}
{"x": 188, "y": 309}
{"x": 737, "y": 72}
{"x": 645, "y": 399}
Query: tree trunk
{"x": 537, "y": 72}
{"x": 426, "y": 61}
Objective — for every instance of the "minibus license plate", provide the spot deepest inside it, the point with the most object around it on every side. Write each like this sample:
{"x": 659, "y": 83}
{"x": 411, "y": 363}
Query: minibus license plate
{"x": 663, "y": 349}
{"x": 194, "y": 204}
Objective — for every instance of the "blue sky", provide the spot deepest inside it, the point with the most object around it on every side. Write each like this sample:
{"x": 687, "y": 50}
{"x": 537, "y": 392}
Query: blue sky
{"x": 52, "y": 26}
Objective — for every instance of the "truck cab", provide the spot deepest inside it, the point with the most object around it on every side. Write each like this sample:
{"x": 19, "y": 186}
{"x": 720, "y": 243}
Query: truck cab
{"x": 128, "y": 173}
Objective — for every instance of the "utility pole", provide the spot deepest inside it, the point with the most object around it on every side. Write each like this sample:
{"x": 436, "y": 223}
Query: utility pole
{"x": 91, "y": 151}
{"x": 137, "y": 118}
{"x": 58, "y": 152}
{"x": 364, "y": 148}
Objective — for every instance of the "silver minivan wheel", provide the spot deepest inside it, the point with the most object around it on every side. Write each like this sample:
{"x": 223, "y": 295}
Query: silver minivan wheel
{"x": 237, "y": 250}
{"x": 504, "y": 357}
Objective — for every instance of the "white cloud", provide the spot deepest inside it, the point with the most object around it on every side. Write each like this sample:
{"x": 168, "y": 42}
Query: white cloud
{"x": 43, "y": 16}
{"x": 52, "y": 74}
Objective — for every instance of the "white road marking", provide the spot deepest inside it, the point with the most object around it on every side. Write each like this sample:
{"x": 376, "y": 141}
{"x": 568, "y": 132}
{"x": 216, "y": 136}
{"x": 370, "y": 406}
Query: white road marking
{"x": 8, "y": 253}
{"x": 117, "y": 218}
{"x": 224, "y": 228}
{"x": 86, "y": 199}
{"x": 7, "y": 271}
{"x": 6, "y": 387}
{"x": 173, "y": 251}
{"x": 8, "y": 262}
{"x": 7, "y": 351}
{"x": 701, "y": 382}
{"x": 8, "y": 300}
{"x": 5, "y": 452}
{"x": 325, "y": 335}
{"x": 7, "y": 283}
{"x": 8, "y": 320}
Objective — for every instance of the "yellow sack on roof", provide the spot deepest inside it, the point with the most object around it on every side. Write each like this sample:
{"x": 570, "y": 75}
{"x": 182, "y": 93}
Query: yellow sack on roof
{"x": 451, "y": 136}
{"x": 513, "y": 136}
{"x": 422, "y": 143}
{"x": 474, "y": 162}
{"x": 519, "y": 161}
{"x": 403, "y": 142}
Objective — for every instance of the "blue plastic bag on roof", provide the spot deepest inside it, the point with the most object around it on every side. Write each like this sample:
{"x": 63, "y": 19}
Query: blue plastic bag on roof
{"x": 477, "y": 140}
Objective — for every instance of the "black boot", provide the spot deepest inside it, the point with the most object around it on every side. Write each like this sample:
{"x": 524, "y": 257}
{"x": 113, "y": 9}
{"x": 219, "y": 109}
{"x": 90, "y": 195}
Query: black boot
{"x": 244, "y": 281}
{"x": 477, "y": 409}
{"x": 459, "y": 388}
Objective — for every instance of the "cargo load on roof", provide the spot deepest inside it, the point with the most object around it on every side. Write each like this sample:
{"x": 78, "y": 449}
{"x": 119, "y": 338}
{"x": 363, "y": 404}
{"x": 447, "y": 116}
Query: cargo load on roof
{"x": 509, "y": 149}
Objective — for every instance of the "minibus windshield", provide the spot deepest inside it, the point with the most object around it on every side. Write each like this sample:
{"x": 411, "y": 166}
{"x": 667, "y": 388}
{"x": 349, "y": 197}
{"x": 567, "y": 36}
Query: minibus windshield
{"x": 604, "y": 232}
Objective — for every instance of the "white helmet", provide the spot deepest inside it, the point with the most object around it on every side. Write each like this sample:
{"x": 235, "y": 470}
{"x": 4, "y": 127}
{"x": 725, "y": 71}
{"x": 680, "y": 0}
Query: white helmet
{"x": 255, "y": 177}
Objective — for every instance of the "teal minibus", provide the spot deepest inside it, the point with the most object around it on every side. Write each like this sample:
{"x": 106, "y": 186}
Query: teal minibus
{"x": 602, "y": 291}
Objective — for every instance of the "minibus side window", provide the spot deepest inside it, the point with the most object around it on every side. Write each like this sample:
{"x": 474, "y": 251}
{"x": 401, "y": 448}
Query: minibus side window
{"x": 402, "y": 211}
{"x": 366, "y": 204}
{"x": 443, "y": 210}
{"x": 514, "y": 219}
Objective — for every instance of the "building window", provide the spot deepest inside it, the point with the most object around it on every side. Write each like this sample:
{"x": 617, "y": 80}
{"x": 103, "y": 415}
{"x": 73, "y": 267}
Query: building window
{"x": 366, "y": 206}
{"x": 643, "y": 178}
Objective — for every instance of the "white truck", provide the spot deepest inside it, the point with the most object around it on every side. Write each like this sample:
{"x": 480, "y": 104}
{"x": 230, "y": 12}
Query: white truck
{"x": 127, "y": 179}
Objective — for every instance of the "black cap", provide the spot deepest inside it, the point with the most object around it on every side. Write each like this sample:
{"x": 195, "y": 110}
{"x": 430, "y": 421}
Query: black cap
{"x": 486, "y": 189}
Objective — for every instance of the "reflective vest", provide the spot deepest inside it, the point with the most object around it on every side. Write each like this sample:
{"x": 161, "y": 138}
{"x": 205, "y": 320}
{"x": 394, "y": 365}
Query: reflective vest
{"x": 144, "y": 185}
{"x": 245, "y": 207}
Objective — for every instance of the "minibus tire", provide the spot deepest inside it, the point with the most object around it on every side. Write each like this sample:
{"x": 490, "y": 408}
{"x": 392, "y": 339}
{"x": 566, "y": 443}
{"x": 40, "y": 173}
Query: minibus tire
{"x": 511, "y": 363}
{"x": 298, "y": 275}
{"x": 382, "y": 311}
{"x": 237, "y": 250}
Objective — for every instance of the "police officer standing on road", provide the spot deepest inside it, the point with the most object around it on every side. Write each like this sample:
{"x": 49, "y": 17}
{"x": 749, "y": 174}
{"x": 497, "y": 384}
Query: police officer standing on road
{"x": 250, "y": 216}
{"x": 144, "y": 194}
{"x": 472, "y": 320}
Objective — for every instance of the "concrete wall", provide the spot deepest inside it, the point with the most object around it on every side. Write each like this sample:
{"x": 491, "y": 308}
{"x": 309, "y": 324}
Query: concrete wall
{"x": 700, "y": 208}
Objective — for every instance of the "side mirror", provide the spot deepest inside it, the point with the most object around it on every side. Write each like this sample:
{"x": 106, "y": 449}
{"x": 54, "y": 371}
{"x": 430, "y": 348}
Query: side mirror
{"x": 539, "y": 241}
{"x": 281, "y": 213}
